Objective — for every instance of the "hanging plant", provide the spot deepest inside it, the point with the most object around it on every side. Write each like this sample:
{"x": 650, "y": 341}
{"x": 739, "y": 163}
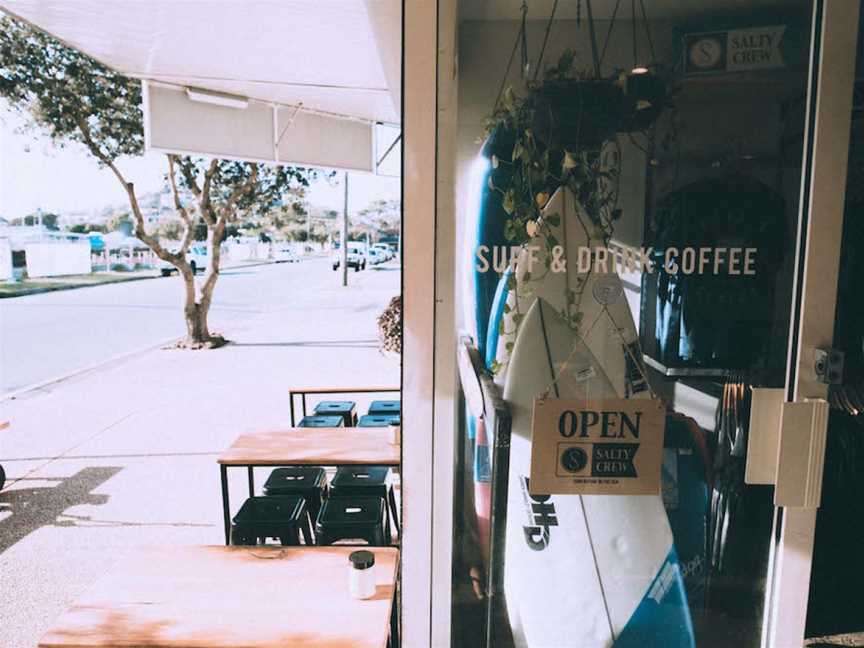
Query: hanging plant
{"x": 390, "y": 326}
{"x": 552, "y": 137}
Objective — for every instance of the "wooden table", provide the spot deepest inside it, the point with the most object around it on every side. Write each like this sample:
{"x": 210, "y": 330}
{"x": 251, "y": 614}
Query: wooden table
{"x": 296, "y": 446}
{"x": 227, "y": 597}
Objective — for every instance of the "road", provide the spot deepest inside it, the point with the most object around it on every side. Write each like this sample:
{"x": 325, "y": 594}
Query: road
{"x": 48, "y": 335}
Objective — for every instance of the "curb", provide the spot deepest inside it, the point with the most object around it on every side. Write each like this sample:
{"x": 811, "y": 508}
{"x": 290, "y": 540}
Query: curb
{"x": 38, "y": 291}
{"x": 88, "y": 369}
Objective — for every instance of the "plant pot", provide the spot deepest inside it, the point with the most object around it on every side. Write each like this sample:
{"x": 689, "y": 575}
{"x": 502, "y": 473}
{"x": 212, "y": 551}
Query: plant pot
{"x": 577, "y": 115}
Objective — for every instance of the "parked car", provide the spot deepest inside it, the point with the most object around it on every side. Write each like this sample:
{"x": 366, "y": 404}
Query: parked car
{"x": 196, "y": 256}
{"x": 377, "y": 256}
{"x": 285, "y": 254}
{"x": 385, "y": 249}
{"x": 356, "y": 256}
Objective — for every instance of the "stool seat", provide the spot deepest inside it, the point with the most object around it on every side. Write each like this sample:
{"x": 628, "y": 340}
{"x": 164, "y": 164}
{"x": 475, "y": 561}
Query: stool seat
{"x": 360, "y": 480}
{"x": 385, "y": 407}
{"x": 367, "y": 481}
{"x": 322, "y": 421}
{"x": 346, "y": 409}
{"x": 352, "y": 518}
{"x": 308, "y": 482}
{"x": 377, "y": 420}
{"x": 273, "y": 516}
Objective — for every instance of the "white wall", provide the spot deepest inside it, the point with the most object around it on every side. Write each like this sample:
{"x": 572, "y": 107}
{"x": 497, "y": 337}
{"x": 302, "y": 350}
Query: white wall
{"x": 248, "y": 251}
{"x": 57, "y": 259}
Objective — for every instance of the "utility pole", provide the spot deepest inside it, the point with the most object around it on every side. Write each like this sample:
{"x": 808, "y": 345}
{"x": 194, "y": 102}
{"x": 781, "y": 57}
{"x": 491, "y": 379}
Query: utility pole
{"x": 344, "y": 248}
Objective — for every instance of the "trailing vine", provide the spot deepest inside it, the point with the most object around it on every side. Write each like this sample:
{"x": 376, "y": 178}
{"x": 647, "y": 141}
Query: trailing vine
{"x": 539, "y": 165}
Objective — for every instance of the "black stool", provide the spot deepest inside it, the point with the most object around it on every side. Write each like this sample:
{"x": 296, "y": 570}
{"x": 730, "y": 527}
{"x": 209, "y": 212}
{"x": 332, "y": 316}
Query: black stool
{"x": 346, "y": 409}
{"x": 377, "y": 420}
{"x": 283, "y": 517}
{"x": 350, "y": 518}
{"x": 386, "y": 407}
{"x": 366, "y": 481}
{"x": 308, "y": 482}
{"x": 322, "y": 421}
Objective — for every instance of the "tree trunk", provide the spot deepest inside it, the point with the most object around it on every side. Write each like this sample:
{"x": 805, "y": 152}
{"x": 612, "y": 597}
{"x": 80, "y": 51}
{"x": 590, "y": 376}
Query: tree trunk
{"x": 198, "y": 334}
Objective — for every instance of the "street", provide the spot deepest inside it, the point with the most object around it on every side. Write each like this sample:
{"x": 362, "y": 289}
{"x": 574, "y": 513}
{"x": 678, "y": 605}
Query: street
{"x": 49, "y": 335}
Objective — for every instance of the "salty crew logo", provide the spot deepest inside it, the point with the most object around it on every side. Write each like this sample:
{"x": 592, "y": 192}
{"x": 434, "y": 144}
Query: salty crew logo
{"x": 541, "y": 517}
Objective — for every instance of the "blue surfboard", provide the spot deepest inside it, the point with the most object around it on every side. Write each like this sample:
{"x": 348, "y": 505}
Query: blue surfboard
{"x": 488, "y": 229}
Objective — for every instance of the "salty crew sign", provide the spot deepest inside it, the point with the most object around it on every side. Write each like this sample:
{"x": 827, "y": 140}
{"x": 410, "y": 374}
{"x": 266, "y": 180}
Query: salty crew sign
{"x": 597, "y": 447}
{"x": 737, "y": 50}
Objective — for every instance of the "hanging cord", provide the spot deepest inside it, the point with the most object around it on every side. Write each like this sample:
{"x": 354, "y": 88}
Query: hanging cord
{"x": 594, "y": 56}
{"x": 609, "y": 31}
{"x": 520, "y": 39}
{"x": 633, "y": 25}
{"x": 647, "y": 31}
{"x": 524, "y": 38}
{"x": 545, "y": 40}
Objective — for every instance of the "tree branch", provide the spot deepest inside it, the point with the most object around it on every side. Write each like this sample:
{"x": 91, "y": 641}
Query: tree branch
{"x": 191, "y": 180}
{"x": 240, "y": 191}
{"x": 189, "y": 231}
{"x": 140, "y": 231}
{"x": 206, "y": 209}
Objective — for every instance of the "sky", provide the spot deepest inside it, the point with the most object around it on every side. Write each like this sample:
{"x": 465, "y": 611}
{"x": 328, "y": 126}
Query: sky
{"x": 34, "y": 173}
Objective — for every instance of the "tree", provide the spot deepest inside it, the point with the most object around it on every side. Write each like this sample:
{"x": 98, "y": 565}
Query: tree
{"x": 47, "y": 220}
{"x": 73, "y": 98}
{"x": 382, "y": 215}
{"x": 86, "y": 228}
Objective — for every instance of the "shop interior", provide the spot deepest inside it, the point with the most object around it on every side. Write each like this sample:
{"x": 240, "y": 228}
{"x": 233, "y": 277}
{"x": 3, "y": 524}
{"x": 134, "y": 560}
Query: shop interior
{"x": 676, "y": 135}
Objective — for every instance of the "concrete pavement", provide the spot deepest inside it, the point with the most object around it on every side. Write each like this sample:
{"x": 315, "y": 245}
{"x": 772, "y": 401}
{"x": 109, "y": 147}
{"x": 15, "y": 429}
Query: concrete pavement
{"x": 48, "y": 335}
{"x": 124, "y": 456}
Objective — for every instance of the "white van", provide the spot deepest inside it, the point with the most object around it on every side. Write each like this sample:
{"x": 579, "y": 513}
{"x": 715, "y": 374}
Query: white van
{"x": 356, "y": 256}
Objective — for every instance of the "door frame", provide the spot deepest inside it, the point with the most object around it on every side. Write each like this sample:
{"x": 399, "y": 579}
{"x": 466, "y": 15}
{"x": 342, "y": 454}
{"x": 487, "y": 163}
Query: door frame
{"x": 834, "y": 34}
{"x": 429, "y": 385}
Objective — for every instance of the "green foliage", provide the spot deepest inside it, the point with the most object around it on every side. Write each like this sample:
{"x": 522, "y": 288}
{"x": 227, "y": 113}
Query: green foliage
{"x": 62, "y": 89}
{"x": 48, "y": 220}
{"x": 170, "y": 230}
{"x": 538, "y": 169}
{"x": 86, "y": 228}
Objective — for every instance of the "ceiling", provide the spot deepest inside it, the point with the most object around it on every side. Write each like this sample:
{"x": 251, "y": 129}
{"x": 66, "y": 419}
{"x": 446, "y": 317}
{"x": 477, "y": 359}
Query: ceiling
{"x": 341, "y": 56}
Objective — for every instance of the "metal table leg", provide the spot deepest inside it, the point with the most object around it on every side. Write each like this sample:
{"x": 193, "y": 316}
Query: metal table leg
{"x": 226, "y": 507}
{"x": 391, "y": 496}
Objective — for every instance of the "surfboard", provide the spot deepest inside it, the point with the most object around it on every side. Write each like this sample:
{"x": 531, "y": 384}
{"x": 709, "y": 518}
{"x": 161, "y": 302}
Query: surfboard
{"x": 570, "y": 283}
{"x": 496, "y": 319}
{"x": 485, "y": 226}
{"x": 581, "y": 571}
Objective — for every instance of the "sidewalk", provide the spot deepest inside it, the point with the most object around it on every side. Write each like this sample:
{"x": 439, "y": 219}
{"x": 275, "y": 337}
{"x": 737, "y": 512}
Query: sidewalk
{"x": 125, "y": 457}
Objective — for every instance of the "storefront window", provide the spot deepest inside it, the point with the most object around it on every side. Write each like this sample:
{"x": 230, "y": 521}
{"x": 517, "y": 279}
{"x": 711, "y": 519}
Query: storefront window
{"x": 628, "y": 197}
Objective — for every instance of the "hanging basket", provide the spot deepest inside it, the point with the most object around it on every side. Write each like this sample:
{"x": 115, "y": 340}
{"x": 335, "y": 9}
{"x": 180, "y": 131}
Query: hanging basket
{"x": 645, "y": 97}
{"x": 578, "y": 114}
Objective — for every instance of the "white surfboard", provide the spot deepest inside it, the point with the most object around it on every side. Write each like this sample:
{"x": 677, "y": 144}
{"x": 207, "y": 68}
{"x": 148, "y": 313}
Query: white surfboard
{"x": 581, "y": 571}
{"x": 606, "y": 324}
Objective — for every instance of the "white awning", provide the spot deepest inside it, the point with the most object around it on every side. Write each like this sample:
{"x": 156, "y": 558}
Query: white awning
{"x": 306, "y": 80}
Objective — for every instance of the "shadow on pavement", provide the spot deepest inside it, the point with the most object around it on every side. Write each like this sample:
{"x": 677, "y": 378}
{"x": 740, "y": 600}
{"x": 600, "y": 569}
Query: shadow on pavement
{"x": 33, "y": 508}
